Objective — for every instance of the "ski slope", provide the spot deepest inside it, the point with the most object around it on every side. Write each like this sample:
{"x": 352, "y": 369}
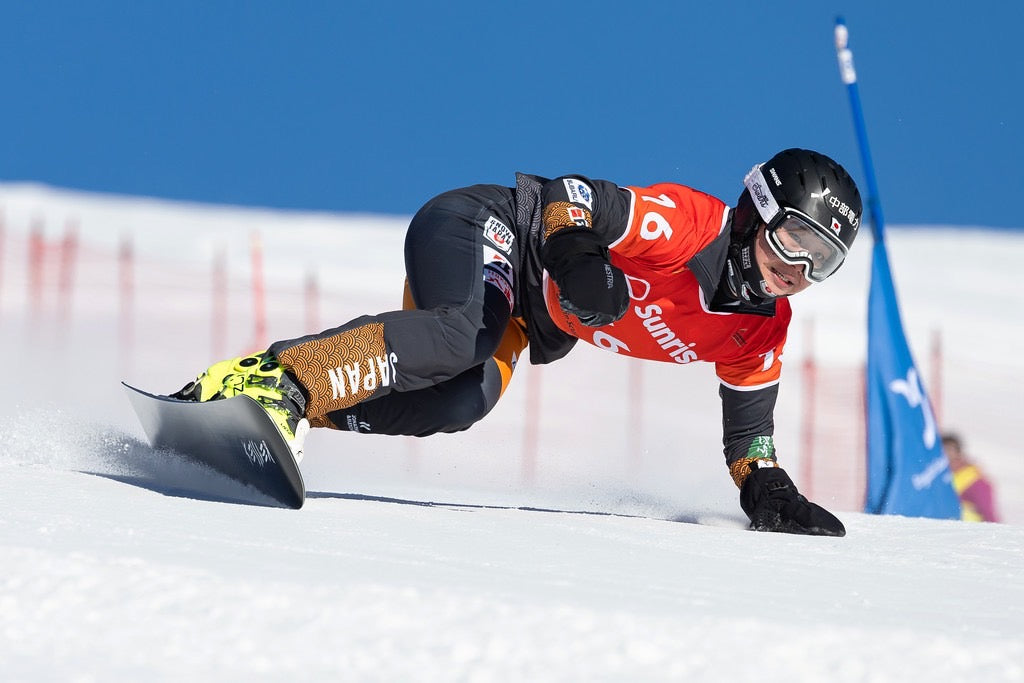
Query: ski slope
{"x": 447, "y": 558}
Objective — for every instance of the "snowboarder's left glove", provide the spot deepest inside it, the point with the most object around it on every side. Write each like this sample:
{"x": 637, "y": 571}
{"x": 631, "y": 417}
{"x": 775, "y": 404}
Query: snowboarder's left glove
{"x": 590, "y": 287}
{"x": 594, "y": 291}
{"x": 771, "y": 501}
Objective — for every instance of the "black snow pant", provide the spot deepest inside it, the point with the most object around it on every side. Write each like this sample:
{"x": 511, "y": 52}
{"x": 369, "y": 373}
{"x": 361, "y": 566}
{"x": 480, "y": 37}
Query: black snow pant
{"x": 441, "y": 366}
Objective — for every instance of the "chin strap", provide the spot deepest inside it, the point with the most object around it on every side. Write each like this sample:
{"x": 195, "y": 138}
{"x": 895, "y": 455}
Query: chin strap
{"x": 742, "y": 277}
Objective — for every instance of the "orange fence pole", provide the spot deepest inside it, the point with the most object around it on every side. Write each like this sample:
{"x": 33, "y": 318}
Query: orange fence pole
{"x": 219, "y": 305}
{"x": 810, "y": 389}
{"x": 259, "y": 302}
{"x": 126, "y": 300}
{"x": 531, "y": 426}
{"x": 312, "y": 296}
{"x": 68, "y": 250}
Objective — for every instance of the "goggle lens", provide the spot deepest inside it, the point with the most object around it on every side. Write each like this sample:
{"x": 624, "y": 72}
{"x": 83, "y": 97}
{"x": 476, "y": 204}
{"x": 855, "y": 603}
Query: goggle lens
{"x": 798, "y": 240}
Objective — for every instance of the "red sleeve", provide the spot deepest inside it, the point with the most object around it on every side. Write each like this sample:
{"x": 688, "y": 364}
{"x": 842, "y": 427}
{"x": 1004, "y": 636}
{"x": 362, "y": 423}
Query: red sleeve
{"x": 762, "y": 366}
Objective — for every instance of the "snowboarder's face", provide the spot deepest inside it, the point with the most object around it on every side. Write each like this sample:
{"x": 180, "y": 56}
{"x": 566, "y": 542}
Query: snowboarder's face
{"x": 783, "y": 279}
{"x": 954, "y": 454}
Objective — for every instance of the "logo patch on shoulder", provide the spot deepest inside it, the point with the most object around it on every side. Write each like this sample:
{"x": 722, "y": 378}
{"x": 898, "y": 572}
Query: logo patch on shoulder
{"x": 499, "y": 234}
{"x": 579, "y": 217}
{"x": 579, "y": 192}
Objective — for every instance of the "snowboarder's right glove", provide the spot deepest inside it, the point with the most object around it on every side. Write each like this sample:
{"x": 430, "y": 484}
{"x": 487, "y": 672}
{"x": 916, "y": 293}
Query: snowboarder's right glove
{"x": 771, "y": 501}
{"x": 590, "y": 287}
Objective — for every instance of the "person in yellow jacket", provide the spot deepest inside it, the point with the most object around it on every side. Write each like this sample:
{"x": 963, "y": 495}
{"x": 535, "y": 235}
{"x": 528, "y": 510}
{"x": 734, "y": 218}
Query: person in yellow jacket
{"x": 977, "y": 496}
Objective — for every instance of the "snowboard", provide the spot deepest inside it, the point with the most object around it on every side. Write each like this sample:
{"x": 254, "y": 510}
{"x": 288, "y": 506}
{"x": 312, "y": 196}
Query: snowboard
{"x": 233, "y": 436}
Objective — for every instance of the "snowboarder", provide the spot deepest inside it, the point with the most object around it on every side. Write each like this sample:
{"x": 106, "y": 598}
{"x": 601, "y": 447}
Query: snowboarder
{"x": 663, "y": 272}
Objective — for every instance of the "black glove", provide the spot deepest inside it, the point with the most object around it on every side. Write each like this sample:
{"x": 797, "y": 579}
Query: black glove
{"x": 589, "y": 286}
{"x": 594, "y": 291}
{"x": 771, "y": 501}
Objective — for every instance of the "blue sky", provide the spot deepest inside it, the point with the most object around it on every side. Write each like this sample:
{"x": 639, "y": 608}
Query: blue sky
{"x": 377, "y": 106}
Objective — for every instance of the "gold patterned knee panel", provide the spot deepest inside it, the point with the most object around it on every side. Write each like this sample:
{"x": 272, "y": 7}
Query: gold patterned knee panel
{"x": 341, "y": 370}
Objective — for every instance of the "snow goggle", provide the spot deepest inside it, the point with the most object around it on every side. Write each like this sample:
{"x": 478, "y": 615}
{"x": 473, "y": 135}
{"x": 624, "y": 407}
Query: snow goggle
{"x": 798, "y": 240}
{"x": 795, "y": 237}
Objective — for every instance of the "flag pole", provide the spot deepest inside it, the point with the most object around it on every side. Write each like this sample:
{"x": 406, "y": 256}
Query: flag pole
{"x": 849, "y": 76}
{"x": 907, "y": 471}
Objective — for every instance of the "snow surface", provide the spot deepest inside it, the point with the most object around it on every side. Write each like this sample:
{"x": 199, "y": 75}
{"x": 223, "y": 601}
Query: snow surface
{"x": 618, "y": 553}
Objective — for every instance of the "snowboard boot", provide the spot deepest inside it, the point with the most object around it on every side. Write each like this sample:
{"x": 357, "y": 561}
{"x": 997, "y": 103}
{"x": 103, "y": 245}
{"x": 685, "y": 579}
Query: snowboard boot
{"x": 261, "y": 377}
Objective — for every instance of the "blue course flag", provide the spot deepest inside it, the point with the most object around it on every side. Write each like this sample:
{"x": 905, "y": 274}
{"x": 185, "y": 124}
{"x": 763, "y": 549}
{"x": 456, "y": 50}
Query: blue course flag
{"x": 908, "y": 473}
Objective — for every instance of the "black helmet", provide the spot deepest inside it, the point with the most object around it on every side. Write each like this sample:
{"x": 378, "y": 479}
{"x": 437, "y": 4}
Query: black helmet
{"x": 811, "y": 209}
